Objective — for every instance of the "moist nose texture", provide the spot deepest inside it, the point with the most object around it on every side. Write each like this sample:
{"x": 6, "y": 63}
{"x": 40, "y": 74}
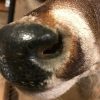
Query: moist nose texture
{"x": 37, "y": 40}
{"x": 23, "y": 47}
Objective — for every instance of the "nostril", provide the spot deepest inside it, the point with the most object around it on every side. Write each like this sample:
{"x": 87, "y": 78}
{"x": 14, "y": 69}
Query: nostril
{"x": 41, "y": 0}
{"x": 55, "y": 49}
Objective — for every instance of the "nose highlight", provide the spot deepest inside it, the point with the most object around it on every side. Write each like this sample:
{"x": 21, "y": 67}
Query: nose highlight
{"x": 44, "y": 41}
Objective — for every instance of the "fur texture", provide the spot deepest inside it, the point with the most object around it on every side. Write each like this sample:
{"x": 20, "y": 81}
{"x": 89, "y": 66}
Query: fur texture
{"x": 53, "y": 52}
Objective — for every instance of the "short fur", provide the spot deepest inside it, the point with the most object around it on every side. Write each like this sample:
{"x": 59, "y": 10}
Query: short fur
{"x": 38, "y": 68}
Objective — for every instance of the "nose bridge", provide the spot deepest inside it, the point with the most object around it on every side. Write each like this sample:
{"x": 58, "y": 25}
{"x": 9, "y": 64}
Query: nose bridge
{"x": 41, "y": 15}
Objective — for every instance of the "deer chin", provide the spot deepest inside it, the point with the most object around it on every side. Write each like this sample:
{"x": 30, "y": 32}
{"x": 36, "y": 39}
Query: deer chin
{"x": 54, "y": 90}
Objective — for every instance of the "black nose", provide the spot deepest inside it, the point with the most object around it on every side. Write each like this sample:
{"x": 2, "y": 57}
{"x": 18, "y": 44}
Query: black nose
{"x": 23, "y": 47}
{"x": 32, "y": 39}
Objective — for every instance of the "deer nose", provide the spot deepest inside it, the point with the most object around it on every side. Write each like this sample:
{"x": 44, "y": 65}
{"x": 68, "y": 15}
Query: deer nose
{"x": 42, "y": 41}
{"x": 24, "y": 47}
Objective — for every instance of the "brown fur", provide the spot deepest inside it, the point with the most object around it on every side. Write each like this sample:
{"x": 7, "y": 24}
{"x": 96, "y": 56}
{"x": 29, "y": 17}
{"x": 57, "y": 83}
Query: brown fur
{"x": 87, "y": 88}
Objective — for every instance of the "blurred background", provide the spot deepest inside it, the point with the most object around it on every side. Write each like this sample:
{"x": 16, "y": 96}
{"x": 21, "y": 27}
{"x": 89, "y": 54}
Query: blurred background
{"x": 11, "y": 10}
